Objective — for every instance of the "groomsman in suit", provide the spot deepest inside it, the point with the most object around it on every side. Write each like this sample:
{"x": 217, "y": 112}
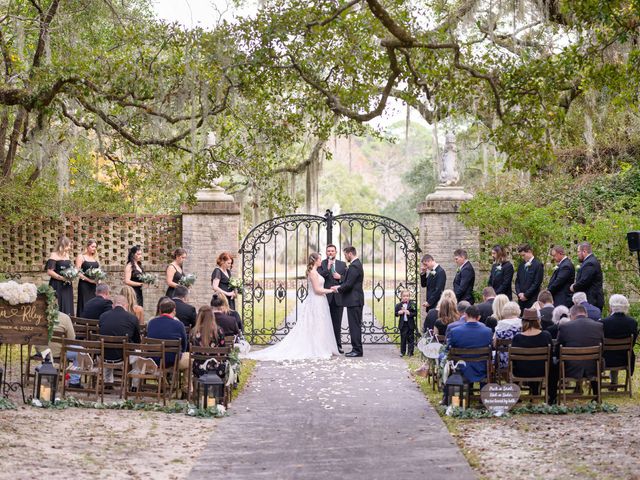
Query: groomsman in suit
{"x": 332, "y": 271}
{"x": 353, "y": 299}
{"x": 433, "y": 278}
{"x": 563, "y": 276}
{"x": 589, "y": 276}
{"x": 528, "y": 278}
{"x": 465, "y": 277}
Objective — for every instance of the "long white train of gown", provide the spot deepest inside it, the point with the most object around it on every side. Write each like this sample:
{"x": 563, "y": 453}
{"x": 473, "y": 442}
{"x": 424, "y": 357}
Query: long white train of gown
{"x": 310, "y": 338}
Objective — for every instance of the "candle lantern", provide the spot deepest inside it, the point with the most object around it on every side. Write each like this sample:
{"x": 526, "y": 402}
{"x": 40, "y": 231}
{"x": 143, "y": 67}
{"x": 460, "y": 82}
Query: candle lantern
{"x": 210, "y": 390}
{"x": 46, "y": 382}
{"x": 456, "y": 389}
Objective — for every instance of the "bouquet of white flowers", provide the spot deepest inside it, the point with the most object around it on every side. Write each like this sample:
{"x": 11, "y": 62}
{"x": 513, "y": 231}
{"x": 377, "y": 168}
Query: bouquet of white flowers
{"x": 95, "y": 274}
{"x": 17, "y": 293}
{"x": 187, "y": 280}
{"x": 70, "y": 273}
{"x": 236, "y": 284}
{"x": 148, "y": 278}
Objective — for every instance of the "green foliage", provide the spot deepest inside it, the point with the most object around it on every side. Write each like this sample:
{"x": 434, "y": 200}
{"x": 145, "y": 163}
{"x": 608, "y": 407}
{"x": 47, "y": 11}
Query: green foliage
{"x": 6, "y": 404}
{"x": 349, "y": 190}
{"x": 532, "y": 409}
{"x": 565, "y": 211}
{"x": 52, "y": 306}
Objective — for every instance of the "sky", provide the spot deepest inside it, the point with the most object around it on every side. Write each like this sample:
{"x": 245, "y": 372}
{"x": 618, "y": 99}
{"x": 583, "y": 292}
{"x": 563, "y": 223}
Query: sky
{"x": 207, "y": 13}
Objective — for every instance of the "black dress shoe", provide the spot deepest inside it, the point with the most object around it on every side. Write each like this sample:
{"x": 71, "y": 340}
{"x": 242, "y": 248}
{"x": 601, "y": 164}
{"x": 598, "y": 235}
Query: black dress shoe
{"x": 340, "y": 351}
{"x": 353, "y": 354}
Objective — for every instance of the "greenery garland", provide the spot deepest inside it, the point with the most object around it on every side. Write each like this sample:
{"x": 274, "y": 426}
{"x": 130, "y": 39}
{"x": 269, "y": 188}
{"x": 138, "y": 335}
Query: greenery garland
{"x": 52, "y": 306}
{"x": 532, "y": 409}
{"x": 184, "y": 408}
{"x": 6, "y": 404}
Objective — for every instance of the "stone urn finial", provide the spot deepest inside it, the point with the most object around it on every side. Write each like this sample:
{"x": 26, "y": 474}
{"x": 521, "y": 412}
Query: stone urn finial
{"x": 449, "y": 175}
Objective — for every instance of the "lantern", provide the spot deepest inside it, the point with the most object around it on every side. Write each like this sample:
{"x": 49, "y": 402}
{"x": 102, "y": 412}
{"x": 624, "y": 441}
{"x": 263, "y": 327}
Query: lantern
{"x": 46, "y": 382}
{"x": 210, "y": 390}
{"x": 456, "y": 389}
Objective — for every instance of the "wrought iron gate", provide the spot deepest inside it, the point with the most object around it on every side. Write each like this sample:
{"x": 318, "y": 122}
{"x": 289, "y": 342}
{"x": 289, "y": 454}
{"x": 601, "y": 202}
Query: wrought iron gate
{"x": 274, "y": 259}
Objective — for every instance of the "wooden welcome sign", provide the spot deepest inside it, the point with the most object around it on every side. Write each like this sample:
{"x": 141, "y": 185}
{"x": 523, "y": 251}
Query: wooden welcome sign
{"x": 24, "y": 323}
{"x": 499, "y": 399}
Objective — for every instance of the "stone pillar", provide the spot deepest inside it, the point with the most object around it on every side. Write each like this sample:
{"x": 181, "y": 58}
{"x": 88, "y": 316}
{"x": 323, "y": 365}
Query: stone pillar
{"x": 209, "y": 227}
{"x": 441, "y": 232}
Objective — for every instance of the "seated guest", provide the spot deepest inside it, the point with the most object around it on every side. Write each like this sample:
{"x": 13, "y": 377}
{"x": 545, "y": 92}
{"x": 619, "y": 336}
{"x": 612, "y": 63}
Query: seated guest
{"x": 508, "y": 327}
{"x": 206, "y": 333}
{"x": 546, "y": 309}
{"x": 99, "y": 304}
{"x": 472, "y": 334}
{"x": 497, "y": 306}
{"x": 167, "y": 327}
{"x": 560, "y": 314}
{"x": 593, "y": 312}
{"x": 486, "y": 307}
{"x": 184, "y": 312}
{"x": 62, "y": 329}
{"x": 227, "y": 322}
{"x": 532, "y": 336}
{"x": 581, "y": 331}
{"x": 619, "y": 325}
{"x": 161, "y": 300}
{"x": 118, "y": 322}
{"x": 227, "y": 309}
{"x": 447, "y": 313}
{"x": 461, "y": 308}
{"x": 432, "y": 314}
{"x": 132, "y": 303}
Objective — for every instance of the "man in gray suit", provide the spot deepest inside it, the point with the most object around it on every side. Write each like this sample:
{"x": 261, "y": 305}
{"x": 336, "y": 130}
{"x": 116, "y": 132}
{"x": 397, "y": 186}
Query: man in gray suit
{"x": 581, "y": 331}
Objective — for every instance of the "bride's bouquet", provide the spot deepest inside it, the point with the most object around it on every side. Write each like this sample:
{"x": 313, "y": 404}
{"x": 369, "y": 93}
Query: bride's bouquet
{"x": 96, "y": 274}
{"x": 187, "y": 280}
{"x": 148, "y": 278}
{"x": 70, "y": 274}
{"x": 237, "y": 285}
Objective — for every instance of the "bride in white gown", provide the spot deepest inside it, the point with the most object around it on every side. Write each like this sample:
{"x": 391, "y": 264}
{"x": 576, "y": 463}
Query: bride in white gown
{"x": 312, "y": 336}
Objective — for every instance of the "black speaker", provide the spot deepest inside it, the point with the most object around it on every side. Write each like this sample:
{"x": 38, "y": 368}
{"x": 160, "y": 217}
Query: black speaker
{"x": 633, "y": 239}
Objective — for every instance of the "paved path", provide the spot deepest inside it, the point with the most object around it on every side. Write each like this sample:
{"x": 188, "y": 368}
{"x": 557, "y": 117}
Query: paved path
{"x": 342, "y": 418}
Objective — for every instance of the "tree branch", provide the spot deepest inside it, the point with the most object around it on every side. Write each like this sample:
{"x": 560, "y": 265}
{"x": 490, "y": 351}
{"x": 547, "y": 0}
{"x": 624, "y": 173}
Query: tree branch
{"x": 42, "y": 37}
{"x": 336, "y": 14}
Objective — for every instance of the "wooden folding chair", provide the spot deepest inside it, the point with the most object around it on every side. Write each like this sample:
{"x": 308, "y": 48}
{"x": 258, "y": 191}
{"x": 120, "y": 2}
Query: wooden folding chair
{"x": 144, "y": 363}
{"x": 85, "y": 328}
{"x": 88, "y": 364}
{"x": 468, "y": 355}
{"x": 201, "y": 355}
{"x": 115, "y": 344}
{"x": 229, "y": 340}
{"x": 619, "y": 345}
{"x": 172, "y": 372}
{"x": 535, "y": 354}
{"x": 582, "y": 354}
{"x": 501, "y": 346}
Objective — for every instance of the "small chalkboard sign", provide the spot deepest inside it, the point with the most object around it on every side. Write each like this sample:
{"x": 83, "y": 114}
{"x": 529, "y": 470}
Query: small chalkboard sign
{"x": 24, "y": 323}
{"x": 499, "y": 399}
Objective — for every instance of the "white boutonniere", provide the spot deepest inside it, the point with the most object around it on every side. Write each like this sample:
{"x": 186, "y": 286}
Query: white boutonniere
{"x": 458, "y": 270}
{"x": 432, "y": 273}
{"x": 527, "y": 265}
{"x": 578, "y": 267}
{"x": 555, "y": 268}
{"x": 498, "y": 268}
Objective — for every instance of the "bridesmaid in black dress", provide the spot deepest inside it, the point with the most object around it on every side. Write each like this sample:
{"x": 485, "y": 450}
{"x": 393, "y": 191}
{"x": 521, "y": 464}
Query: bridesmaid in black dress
{"x": 58, "y": 261}
{"x": 133, "y": 271}
{"x": 86, "y": 286}
{"x": 174, "y": 270}
{"x": 220, "y": 279}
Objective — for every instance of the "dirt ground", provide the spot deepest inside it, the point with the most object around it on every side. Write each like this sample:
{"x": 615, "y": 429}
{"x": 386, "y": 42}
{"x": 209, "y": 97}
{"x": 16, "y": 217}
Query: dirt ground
{"x": 602, "y": 446}
{"x": 113, "y": 444}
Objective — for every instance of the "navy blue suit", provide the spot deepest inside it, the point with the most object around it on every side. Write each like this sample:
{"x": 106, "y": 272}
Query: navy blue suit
{"x": 353, "y": 298}
{"x": 463, "y": 283}
{"x": 589, "y": 280}
{"x": 561, "y": 280}
{"x": 472, "y": 335}
{"x": 619, "y": 325}
{"x": 500, "y": 279}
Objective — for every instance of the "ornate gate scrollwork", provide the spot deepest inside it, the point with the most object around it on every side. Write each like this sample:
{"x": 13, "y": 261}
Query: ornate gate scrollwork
{"x": 274, "y": 258}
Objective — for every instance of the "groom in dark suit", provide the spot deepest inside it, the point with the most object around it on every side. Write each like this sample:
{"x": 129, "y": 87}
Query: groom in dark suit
{"x": 353, "y": 299}
{"x": 332, "y": 270}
